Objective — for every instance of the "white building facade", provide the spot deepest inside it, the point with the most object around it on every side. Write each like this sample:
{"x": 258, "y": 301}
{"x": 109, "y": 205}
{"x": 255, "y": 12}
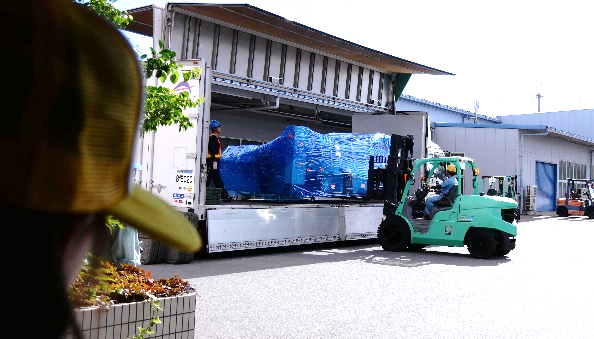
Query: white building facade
{"x": 266, "y": 73}
{"x": 541, "y": 149}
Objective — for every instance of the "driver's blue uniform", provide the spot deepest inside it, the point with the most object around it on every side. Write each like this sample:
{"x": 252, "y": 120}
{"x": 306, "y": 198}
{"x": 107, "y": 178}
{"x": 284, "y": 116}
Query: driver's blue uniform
{"x": 446, "y": 186}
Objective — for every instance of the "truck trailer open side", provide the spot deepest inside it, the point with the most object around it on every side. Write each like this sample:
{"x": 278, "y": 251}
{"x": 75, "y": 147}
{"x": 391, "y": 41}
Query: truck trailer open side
{"x": 174, "y": 168}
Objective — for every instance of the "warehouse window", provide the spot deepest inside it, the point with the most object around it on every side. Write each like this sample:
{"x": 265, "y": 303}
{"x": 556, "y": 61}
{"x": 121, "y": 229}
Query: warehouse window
{"x": 570, "y": 170}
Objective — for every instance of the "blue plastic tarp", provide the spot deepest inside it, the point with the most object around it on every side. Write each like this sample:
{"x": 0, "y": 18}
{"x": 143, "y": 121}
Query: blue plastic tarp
{"x": 303, "y": 164}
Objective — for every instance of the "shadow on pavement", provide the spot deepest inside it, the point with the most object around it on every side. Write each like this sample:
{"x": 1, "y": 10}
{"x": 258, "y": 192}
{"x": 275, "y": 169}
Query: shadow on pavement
{"x": 368, "y": 251}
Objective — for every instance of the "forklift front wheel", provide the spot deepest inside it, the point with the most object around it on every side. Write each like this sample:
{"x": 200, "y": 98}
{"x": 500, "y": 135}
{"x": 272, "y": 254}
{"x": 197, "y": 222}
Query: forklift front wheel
{"x": 562, "y": 212}
{"x": 394, "y": 234}
{"x": 481, "y": 244}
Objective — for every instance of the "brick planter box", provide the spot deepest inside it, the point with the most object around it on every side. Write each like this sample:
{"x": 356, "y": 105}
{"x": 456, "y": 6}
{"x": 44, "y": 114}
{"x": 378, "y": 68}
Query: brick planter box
{"x": 121, "y": 321}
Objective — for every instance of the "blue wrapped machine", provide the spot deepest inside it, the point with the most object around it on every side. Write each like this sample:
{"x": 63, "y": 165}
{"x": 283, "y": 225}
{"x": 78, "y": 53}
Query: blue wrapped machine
{"x": 303, "y": 164}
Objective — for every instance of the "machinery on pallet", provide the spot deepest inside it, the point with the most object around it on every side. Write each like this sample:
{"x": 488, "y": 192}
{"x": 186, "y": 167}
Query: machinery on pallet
{"x": 578, "y": 201}
{"x": 485, "y": 224}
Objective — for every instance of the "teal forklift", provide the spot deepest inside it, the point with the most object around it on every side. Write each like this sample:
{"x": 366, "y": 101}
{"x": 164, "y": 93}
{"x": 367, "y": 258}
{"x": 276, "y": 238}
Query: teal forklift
{"x": 485, "y": 224}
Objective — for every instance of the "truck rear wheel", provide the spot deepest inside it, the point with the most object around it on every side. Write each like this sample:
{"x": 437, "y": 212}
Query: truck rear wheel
{"x": 481, "y": 244}
{"x": 175, "y": 256}
{"x": 394, "y": 235}
{"x": 153, "y": 252}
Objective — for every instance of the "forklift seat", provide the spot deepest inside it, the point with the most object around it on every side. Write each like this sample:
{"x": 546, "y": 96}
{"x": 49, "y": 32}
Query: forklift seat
{"x": 445, "y": 203}
{"x": 491, "y": 191}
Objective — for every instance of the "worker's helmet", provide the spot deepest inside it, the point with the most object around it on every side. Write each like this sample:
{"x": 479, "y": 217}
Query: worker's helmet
{"x": 451, "y": 169}
{"x": 214, "y": 124}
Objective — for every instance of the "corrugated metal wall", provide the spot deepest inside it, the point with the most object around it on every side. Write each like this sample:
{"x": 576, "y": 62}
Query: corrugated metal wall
{"x": 246, "y": 55}
{"x": 439, "y": 114}
{"x": 498, "y": 151}
{"x": 580, "y": 122}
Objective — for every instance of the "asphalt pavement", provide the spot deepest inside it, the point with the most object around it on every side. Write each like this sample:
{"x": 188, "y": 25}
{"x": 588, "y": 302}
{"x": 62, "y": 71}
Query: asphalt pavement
{"x": 542, "y": 289}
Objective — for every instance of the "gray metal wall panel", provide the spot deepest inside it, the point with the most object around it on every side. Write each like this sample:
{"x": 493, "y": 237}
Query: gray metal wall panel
{"x": 207, "y": 30}
{"x": 376, "y": 87}
{"x": 494, "y": 150}
{"x": 178, "y": 32}
{"x": 354, "y": 82}
{"x": 275, "y": 59}
{"x": 506, "y": 150}
{"x": 194, "y": 38}
{"x": 290, "y": 66}
{"x": 386, "y": 90}
{"x": 304, "y": 70}
{"x": 362, "y": 222}
{"x": 579, "y": 122}
{"x": 224, "y": 50}
{"x": 243, "y": 54}
{"x": 259, "y": 59}
{"x": 342, "y": 80}
{"x": 364, "y": 86}
{"x": 330, "y": 76}
{"x": 317, "y": 75}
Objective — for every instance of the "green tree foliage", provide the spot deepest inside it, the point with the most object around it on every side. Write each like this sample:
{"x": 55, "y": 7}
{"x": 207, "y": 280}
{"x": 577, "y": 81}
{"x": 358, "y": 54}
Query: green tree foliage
{"x": 164, "y": 106}
{"x": 106, "y": 10}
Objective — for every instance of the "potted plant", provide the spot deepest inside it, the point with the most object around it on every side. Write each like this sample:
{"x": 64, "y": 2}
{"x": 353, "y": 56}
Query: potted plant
{"x": 124, "y": 301}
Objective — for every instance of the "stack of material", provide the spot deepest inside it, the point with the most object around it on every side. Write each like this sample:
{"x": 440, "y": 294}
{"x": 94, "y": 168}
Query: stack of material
{"x": 303, "y": 164}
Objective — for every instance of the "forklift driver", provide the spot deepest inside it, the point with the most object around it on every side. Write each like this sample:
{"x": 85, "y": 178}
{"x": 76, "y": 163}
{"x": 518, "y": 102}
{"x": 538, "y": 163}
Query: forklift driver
{"x": 443, "y": 188}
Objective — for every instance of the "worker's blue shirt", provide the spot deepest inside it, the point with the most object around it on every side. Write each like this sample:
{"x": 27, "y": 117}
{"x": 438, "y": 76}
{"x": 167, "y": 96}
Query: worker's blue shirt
{"x": 447, "y": 185}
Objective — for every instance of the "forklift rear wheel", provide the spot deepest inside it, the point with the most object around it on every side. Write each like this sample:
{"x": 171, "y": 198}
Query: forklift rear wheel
{"x": 590, "y": 212}
{"x": 481, "y": 244}
{"x": 417, "y": 247}
{"x": 562, "y": 212}
{"x": 394, "y": 235}
{"x": 501, "y": 253}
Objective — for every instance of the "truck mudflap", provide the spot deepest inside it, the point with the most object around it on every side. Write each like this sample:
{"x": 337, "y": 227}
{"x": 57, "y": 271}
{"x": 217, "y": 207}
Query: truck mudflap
{"x": 507, "y": 241}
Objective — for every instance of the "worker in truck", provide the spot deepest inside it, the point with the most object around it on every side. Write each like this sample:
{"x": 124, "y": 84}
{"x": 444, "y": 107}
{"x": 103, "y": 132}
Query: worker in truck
{"x": 213, "y": 159}
{"x": 443, "y": 189}
{"x": 76, "y": 104}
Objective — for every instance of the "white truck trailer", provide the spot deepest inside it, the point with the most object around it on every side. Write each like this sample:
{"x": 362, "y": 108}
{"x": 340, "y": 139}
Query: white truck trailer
{"x": 174, "y": 168}
{"x": 262, "y": 73}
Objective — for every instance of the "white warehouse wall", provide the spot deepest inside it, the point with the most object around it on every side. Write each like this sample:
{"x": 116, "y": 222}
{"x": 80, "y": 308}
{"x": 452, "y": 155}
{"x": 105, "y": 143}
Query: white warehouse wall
{"x": 498, "y": 151}
{"x": 495, "y": 150}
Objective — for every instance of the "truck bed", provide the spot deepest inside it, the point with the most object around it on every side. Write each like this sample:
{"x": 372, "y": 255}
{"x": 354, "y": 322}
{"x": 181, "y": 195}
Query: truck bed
{"x": 240, "y": 225}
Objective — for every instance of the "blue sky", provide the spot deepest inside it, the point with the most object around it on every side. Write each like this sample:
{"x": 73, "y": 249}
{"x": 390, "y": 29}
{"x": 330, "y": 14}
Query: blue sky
{"x": 503, "y": 53}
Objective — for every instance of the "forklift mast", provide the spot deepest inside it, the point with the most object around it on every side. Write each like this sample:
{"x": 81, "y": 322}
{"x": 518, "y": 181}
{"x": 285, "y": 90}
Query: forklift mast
{"x": 388, "y": 184}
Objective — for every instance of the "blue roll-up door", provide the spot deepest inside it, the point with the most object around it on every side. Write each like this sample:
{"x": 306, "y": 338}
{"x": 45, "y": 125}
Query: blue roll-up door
{"x": 546, "y": 182}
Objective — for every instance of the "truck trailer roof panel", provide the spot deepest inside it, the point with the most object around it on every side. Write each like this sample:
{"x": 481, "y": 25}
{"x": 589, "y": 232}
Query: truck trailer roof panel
{"x": 267, "y": 24}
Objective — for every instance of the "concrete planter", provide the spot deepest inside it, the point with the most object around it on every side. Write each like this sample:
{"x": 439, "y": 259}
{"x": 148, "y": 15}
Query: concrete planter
{"x": 122, "y": 321}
